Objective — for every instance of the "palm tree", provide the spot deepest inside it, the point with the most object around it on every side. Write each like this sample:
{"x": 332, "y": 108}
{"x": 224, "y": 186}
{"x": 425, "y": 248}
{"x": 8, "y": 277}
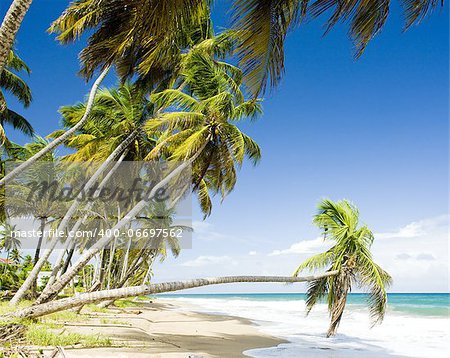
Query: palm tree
{"x": 12, "y": 83}
{"x": 9, "y": 28}
{"x": 115, "y": 128}
{"x": 184, "y": 28}
{"x": 202, "y": 136}
{"x": 117, "y": 114}
{"x": 262, "y": 26}
{"x": 147, "y": 37}
{"x": 43, "y": 208}
{"x": 135, "y": 36}
{"x": 351, "y": 256}
{"x": 8, "y": 241}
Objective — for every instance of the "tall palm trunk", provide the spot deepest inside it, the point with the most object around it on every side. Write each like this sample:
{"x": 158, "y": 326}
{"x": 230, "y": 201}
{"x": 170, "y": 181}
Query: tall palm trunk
{"x": 68, "y": 258}
{"x": 39, "y": 244}
{"x": 85, "y": 298}
{"x": 99, "y": 245}
{"x": 38, "y": 251}
{"x": 65, "y": 221}
{"x": 341, "y": 288}
{"x": 9, "y": 28}
{"x": 59, "y": 262}
{"x": 58, "y": 141}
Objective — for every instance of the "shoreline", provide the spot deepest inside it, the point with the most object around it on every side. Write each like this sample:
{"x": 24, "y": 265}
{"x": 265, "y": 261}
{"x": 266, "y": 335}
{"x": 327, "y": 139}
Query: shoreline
{"x": 163, "y": 328}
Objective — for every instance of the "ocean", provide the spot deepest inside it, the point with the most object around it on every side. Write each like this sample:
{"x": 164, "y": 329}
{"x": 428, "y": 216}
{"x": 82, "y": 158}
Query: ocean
{"x": 415, "y": 325}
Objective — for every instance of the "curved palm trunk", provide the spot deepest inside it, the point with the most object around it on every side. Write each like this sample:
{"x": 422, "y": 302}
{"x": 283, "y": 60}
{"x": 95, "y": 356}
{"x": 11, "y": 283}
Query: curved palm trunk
{"x": 85, "y": 298}
{"x": 58, "y": 141}
{"x": 100, "y": 244}
{"x": 9, "y": 28}
{"x": 342, "y": 285}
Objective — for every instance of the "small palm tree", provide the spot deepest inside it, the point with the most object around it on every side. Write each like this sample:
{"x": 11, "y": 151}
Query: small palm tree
{"x": 8, "y": 241}
{"x": 12, "y": 83}
{"x": 351, "y": 256}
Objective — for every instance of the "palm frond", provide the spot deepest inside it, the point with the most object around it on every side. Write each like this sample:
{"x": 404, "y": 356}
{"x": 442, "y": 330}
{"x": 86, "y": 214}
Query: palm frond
{"x": 204, "y": 198}
{"x": 315, "y": 262}
{"x": 316, "y": 291}
{"x": 416, "y": 11}
{"x": 375, "y": 280}
{"x": 262, "y": 26}
{"x": 172, "y": 97}
{"x": 17, "y": 86}
{"x": 16, "y": 121}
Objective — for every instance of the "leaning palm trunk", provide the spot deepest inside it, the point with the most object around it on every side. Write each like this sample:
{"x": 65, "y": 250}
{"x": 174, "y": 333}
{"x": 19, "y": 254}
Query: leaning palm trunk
{"x": 61, "y": 265}
{"x": 58, "y": 141}
{"x": 85, "y": 298}
{"x": 9, "y": 28}
{"x": 68, "y": 216}
{"x": 341, "y": 285}
{"x": 99, "y": 245}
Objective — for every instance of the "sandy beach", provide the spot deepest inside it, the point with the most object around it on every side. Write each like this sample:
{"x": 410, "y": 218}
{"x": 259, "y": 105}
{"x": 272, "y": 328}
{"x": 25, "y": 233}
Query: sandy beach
{"x": 167, "y": 329}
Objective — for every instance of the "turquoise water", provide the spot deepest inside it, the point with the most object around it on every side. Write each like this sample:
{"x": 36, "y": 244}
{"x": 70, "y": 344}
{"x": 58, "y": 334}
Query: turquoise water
{"x": 421, "y": 304}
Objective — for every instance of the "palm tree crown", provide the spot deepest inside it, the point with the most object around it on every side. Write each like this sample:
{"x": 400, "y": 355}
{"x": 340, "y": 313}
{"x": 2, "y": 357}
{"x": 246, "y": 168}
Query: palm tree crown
{"x": 350, "y": 255}
{"x": 12, "y": 83}
{"x": 200, "y": 119}
{"x": 146, "y": 36}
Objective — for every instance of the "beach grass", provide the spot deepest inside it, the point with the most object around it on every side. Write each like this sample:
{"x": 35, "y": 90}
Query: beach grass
{"x": 49, "y": 331}
{"x": 42, "y": 335}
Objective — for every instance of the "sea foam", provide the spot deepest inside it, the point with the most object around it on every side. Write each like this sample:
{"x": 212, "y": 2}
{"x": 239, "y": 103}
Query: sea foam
{"x": 400, "y": 334}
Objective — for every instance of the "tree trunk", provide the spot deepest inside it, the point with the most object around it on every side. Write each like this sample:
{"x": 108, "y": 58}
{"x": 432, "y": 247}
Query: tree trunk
{"x": 69, "y": 257}
{"x": 65, "y": 221}
{"x": 38, "y": 248}
{"x": 9, "y": 28}
{"x": 85, "y": 298}
{"x": 38, "y": 252}
{"x": 341, "y": 286}
{"x": 100, "y": 244}
{"x": 58, "y": 141}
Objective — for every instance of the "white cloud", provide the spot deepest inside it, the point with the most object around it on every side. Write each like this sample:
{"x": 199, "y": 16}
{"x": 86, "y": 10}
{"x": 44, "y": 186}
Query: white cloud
{"x": 252, "y": 253}
{"x": 416, "y": 228}
{"x": 303, "y": 247}
{"x": 202, "y": 261}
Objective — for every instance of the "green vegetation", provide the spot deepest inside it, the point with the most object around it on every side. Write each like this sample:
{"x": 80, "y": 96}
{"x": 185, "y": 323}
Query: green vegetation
{"x": 41, "y": 335}
{"x": 49, "y": 331}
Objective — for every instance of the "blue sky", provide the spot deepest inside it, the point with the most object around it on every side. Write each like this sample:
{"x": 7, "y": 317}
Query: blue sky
{"x": 374, "y": 131}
